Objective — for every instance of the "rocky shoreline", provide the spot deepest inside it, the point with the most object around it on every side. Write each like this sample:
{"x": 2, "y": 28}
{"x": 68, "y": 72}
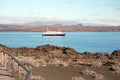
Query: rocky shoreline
{"x": 54, "y": 56}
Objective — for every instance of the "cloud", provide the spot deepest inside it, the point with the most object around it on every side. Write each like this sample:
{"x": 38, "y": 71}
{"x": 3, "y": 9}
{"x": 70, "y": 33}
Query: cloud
{"x": 20, "y": 19}
{"x": 94, "y": 14}
{"x": 106, "y": 21}
{"x": 71, "y": 2}
{"x": 118, "y": 9}
{"x": 109, "y": 20}
{"x": 12, "y": 20}
{"x": 114, "y": 22}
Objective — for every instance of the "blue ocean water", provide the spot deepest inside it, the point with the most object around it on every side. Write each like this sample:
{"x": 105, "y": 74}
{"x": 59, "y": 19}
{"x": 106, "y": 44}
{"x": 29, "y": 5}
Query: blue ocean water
{"x": 80, "y": 41}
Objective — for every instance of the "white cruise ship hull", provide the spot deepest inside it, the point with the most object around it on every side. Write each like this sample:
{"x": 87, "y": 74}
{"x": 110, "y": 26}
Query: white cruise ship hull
{"x": 53, "y": 33}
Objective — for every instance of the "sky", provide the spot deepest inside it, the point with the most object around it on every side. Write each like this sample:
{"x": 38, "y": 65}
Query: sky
{"x": 81, "y": 11}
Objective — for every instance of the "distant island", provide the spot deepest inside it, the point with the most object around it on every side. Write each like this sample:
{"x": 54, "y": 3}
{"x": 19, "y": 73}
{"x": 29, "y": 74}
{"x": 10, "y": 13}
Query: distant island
{"x": 57, "y": 27}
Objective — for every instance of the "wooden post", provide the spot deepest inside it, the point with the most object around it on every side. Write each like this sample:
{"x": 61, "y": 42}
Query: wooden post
{"x": 2, "y": 58}
{"x": 12, "y": 66}
{"x": 15, "y": 70}
{"x": 7, "y": 61}
{"x": 18, "y": 72}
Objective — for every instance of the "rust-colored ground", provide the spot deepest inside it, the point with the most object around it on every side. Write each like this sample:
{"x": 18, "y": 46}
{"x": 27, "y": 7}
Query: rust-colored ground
{"x": 66, "y": 73}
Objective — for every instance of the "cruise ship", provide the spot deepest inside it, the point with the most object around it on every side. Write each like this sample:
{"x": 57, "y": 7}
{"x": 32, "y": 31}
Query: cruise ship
{"x": 53, "y": 33}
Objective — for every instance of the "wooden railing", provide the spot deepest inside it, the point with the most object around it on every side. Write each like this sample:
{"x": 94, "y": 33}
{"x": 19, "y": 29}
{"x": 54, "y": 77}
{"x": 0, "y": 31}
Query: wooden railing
{"x": 18, "y": 70}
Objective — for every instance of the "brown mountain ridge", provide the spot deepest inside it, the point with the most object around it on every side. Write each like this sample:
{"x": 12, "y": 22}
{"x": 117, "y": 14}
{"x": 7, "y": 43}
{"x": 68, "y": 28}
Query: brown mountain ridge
{"x": 57, "y": 27}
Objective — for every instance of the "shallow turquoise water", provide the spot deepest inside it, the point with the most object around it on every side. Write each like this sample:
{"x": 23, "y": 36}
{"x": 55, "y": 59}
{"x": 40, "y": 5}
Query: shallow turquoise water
{"x": 80, "y": 41}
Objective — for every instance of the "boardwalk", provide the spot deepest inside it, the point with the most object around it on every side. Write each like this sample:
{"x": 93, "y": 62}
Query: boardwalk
{"x": 18, "y": 70}
{"x": 5, "y": 74}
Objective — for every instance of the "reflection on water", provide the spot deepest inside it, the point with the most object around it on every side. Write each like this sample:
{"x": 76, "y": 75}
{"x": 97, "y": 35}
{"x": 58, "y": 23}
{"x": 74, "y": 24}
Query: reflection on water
{"x": 52, "y": 36}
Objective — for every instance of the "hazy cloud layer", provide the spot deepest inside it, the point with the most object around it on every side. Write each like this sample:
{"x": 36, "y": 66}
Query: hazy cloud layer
{"x": 92, "y": 11}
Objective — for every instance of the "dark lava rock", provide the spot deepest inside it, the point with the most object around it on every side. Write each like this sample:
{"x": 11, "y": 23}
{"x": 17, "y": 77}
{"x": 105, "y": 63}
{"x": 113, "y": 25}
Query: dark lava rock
{"x": 69, "y": 51}
{"x": 2, "y": 47}
{"x": 116, "y": 54}
{"x": 109, "y": 63}
{"x": 43, "y": 50}
{"x": 47, "y": 48}
{"x": 87, "y": 55}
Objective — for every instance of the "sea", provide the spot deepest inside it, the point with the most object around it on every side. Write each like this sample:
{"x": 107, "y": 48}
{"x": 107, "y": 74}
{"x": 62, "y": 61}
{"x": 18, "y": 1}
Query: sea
{"x": 104, "y": 42}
